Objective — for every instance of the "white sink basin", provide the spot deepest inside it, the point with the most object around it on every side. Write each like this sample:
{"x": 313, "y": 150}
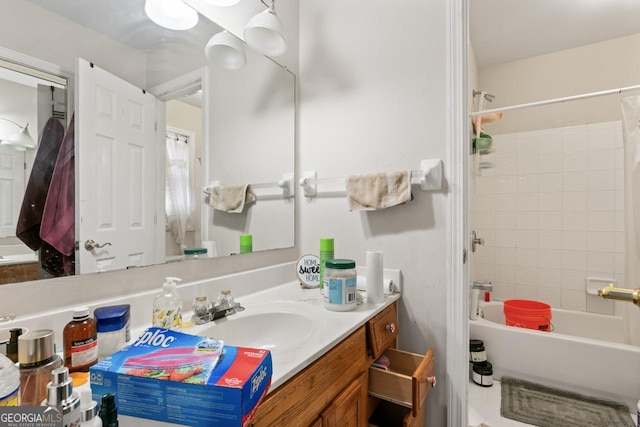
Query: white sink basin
{"x": 281, "y": 328}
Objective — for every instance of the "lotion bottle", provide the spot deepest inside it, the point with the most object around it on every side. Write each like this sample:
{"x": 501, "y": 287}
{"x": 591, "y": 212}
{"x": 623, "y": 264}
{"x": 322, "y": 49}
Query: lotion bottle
{"x": 167, "y": 306}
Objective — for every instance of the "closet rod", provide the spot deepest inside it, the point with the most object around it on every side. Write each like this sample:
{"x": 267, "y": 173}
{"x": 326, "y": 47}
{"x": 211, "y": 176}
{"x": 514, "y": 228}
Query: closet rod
{"x": 556, "y": 100}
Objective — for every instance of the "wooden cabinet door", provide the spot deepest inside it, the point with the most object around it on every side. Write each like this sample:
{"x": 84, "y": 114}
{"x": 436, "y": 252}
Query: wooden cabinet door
{"x": 349, "y": 408}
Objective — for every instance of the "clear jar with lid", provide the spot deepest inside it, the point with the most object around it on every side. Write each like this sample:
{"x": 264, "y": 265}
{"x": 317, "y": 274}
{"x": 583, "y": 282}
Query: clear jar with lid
{"x": 196, "y": 253}
{"x": 340, "y": 280}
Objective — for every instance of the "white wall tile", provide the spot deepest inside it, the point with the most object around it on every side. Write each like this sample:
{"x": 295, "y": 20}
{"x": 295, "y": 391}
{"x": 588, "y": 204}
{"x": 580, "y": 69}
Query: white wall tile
{"x": 505, "y": 238}
{"x": 506, "y": 202}
{"x": 505, "y": 256}
{"x": 619, "y": 260}
{"x": 601, "y": 221}
{"x": 485, "y": 272}
{"x": 619, "y": 200}
{"x": 600, "y": 241}
{"x": 484, "y": 220}
{"x": 527, "y": 276}
{"x": 550, "y": 278}
{"x": 549, "y": 163}
{"x": 574, "y": 240}
{"x": 550, "y": 296}
{"x": 574, "y": 220}
{"x": 601, "y": 138}
{"x": 574, "y": 201}
{"x": 505, "y": 184}
{"x": 574, "y": 139}
{"x": 527, "y": 201}
{"x": 602, "y": 159}
{"x": 550, "y": 141}
{"x": 527, "y": 183}
{"x": 601, "y": 262}
{"x": 505, "y": 145}
{"x": 550, "y": 258}
{"x": 485, "y": 255}
{"x": 527, "y": 292}
{"x": 574, "y": 181}
{"x": 595, "y": 304}
{"x": 506, "y": 274}
{"x": 620, "y": 158}
{"x": 485, "y": 202}
{"x": 527, "y": 163}
{"x": 551, "y": 220}
{"x": 574, "y": 161}
{"x": 574, "y": 300}
{"x": 505, "y": 166}
{"x": 619, "y": 179}
{"x": 549, "y": 239}
{"x": 527, "y": 239}
{"x": 619, "y": 220}
{"x": 504, "y": 291}
{"x": 619, "y": 239}
{"x": 528, "y": 143}
{"x": 548, "y": 182}
{"x": 601, "y": 201}
{"x": 574, "y": 279}
{"x": 602, "y": 180}
{"x": 505, "y": 220}
{"x": 527, "y": 257}
{"x": 527, "y": 220}
{"x": 485, "y": 185}
{"x": 574, "y": 260}
{"x": 550, "y": 201}
{"x": 618, "y": 142}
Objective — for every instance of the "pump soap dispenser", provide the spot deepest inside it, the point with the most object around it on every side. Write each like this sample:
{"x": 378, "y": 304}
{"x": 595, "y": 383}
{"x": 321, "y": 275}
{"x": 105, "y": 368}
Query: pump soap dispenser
{"x": 167, "y": 307}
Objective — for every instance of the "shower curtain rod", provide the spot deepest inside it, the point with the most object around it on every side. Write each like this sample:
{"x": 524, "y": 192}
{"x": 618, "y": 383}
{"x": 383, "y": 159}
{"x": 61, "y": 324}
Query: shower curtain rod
{"x": 556, "y": 100}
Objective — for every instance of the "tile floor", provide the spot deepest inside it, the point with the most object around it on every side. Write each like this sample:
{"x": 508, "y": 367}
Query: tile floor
{"x": 484, "y": 407}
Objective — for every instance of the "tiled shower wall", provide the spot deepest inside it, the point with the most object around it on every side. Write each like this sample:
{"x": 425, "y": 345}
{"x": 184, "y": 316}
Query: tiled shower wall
{"x": 551, "y": 212}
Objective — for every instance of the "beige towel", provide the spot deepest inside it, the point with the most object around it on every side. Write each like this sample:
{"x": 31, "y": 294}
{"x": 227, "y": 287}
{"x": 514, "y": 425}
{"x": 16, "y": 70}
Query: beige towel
{"x": 231, "y": 198}
{"x": 378, "y": 191}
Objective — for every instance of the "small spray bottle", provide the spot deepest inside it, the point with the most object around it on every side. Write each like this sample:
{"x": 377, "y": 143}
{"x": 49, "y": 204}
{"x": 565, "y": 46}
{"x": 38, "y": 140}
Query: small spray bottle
{"x": 60, "y": 393}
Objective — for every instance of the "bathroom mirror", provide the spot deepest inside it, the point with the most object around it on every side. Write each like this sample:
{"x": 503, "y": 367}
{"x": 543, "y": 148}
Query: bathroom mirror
{"x": 252, "y": 105}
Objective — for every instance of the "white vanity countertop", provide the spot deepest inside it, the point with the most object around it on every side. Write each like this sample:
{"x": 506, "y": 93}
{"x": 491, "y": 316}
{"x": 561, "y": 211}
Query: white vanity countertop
{"x": 329, "y": 328}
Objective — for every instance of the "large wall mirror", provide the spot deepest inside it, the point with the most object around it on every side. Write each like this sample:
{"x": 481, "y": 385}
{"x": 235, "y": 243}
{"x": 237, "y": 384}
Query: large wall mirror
{"x": 210, "y": 129}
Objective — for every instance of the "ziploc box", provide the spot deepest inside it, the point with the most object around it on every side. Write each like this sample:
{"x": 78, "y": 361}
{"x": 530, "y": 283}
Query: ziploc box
{"x": 184, "y": 379}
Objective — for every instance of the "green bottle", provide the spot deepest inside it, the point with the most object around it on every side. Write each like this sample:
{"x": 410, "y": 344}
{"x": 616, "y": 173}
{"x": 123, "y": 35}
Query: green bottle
{"x": 246, "y": 243}
{"x": 326, "y": 253}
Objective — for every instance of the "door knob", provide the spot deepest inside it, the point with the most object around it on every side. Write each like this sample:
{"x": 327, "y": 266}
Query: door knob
{"x": 91, "y": 245}
{"x": 476, "y": 241}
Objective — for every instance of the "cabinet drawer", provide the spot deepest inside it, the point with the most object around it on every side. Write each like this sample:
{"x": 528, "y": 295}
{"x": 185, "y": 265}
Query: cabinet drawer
{"x": 390, "y": 415}
{"x": 408, "y": 381}
{"x": 382, "y": 330}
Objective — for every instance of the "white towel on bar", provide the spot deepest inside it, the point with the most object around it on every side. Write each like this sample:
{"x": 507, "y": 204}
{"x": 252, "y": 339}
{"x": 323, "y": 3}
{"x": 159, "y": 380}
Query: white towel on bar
{"x": 378, "y": 191}
{"x": 231, "y": 198}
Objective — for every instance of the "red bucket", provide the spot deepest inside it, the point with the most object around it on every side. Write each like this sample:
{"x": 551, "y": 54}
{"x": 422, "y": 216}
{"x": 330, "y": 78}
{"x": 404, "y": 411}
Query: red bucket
{"x": 528, "y": 314}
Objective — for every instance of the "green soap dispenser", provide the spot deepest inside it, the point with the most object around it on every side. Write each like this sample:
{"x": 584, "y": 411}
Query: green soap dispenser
{"x": 167, "y": 306}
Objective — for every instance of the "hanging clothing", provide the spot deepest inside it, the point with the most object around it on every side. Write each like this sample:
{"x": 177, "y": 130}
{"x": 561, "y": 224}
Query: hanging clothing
{"x": 58, "y": 218}
{"x": 30, "y": 216}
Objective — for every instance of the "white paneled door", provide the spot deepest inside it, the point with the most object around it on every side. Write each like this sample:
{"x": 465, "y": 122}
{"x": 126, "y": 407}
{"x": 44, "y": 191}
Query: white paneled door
{"x": 11, "y": 189}
{"x": 117, "y": 174}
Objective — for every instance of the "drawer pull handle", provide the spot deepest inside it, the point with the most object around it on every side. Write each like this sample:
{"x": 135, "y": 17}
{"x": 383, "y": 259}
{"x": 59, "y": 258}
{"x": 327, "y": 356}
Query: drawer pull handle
{"x": 431, "y": 381}
{"x": 391, "y": 328}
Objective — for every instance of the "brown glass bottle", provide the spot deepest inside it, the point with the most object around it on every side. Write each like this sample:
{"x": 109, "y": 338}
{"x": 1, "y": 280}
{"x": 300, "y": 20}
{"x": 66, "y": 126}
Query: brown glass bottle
{"x": 80, "y": 339}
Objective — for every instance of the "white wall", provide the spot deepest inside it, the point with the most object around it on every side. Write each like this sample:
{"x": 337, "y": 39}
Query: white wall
{"x": 595, "y": 67}
{"x": 372, "y": 99}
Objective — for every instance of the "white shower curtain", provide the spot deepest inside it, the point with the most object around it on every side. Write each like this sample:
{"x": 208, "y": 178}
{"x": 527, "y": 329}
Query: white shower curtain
{"x": 631, "y": 138}
{"x": 179, "y": 200}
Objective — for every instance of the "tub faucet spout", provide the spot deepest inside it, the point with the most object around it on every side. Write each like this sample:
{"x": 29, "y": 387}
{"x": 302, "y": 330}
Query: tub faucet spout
{"x": 474, "y": 306}
{"x": 620, "y": 294}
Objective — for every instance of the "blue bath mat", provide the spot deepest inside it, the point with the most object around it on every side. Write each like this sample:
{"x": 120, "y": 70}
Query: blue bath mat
{"x": 549, "y": 407}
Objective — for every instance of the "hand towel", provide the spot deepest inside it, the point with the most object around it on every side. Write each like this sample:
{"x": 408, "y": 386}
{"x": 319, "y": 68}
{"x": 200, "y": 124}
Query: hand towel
{"x": 378, "y": 191}
{"x": 230, "y": 198}
{"x": 35, "y": 196}
{"x": 58, "y": 218}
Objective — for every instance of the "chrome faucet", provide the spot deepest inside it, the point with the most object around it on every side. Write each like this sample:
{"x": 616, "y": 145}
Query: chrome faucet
{"x": 474, "y": 306}
{"x": 204, "y": 312}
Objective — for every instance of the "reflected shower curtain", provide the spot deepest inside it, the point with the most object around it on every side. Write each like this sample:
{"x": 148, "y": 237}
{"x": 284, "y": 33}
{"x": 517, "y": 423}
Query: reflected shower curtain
{"x": 631, "y": 138}
{"x": 179, "y": 201}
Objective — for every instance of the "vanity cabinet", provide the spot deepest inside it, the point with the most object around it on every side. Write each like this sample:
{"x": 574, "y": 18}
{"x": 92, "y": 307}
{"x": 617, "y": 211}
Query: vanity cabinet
{"x": 342, "y": 389}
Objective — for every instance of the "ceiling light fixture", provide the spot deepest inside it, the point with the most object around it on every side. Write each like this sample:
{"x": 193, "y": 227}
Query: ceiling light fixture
{"x": 21, "y": 140}
{"x": 171, "y": 14}
{"x": 226, "y": 51}
{"x": 265, "y": 33}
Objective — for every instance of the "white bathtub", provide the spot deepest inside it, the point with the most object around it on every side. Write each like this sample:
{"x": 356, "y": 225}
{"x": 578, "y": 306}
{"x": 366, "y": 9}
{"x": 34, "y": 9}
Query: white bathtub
{"x": 584, "y": 353}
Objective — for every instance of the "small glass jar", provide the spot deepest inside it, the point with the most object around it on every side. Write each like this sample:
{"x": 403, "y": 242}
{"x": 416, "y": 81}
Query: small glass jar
{"x": 340, "y": 278}
{"x": 195, "y": 253}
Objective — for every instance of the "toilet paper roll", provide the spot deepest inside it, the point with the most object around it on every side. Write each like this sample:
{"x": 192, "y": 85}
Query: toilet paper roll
{"x": 375, "y": 284}
{"x": 210, "y": 245}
